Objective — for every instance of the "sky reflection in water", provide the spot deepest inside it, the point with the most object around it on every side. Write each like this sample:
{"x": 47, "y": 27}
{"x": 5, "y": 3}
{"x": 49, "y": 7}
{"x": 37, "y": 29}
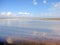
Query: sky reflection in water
{"x": 32, "y": 28}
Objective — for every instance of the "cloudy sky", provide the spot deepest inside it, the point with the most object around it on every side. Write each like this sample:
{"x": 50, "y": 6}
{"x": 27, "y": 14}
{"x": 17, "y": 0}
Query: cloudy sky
{"x": 27, "y": 8}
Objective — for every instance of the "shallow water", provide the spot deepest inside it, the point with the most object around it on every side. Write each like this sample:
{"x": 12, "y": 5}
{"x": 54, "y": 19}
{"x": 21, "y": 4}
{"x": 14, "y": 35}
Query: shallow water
{"x": 30, "y": 28}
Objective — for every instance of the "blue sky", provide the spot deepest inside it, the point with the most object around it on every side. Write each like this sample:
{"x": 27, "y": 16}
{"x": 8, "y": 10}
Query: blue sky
{"x": 33, "y": 8}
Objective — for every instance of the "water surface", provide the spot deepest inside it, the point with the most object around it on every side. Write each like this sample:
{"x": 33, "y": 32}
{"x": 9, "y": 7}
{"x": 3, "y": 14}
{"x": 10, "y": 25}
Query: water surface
{"x": 30, "y": 28}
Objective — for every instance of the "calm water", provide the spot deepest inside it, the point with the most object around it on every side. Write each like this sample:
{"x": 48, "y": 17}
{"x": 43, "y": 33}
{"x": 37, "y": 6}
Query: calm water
{"x": 30, "y": 28}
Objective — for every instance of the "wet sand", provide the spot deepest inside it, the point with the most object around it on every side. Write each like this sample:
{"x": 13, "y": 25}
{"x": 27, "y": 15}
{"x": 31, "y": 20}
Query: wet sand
{"x": 29, "y": 41}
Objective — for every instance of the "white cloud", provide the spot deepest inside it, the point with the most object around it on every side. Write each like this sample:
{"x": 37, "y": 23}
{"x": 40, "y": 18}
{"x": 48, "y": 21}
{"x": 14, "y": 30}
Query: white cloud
{"x": 20, "y": 13}
{"x": 24, "y": 14}
{"x": 44, "y": 1}
{"x": 3, "y": 13}
{"x": 9, "y": 13}
{"x": 47, "y": 14}
{"x": 54, "y": 6}
{"x": 57, "y": 5}
{"x": 53, "y": 11}
{"x": 34, "y": 2}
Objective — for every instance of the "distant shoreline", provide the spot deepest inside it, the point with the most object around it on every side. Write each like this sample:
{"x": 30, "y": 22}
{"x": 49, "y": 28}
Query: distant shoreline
{"x": 29, "y": 18}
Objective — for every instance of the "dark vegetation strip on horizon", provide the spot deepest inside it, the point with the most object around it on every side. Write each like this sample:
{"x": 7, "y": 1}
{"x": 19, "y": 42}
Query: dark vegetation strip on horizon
{"x": 32, "y": 18}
